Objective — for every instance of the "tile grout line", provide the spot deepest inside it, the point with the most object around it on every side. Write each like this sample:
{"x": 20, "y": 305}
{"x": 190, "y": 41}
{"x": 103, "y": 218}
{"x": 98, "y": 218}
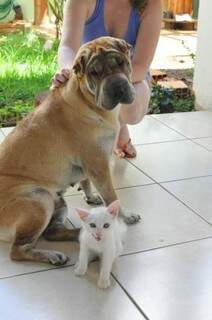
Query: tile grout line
{"x": 183, "y": 179}
{"x": 170, "y": 127}
{"x": 201, "y": 144}
{"x": 186, "y": 138}
{"x": 148, "y": 184}
{"x": 95, "y": 192}
{"x": 37, "y": 271}
{"x": 185, "y": 204}
{"x": 173, "y": 195}
{"x": 123, "y": 255}
{"x": 165, "y": 246}
{"x": 158, "y": 142}
{"x": 130, "y": 297}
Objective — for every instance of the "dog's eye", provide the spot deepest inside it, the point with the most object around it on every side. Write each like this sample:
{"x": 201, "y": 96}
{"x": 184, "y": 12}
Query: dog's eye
{"x": 92, "y": 225}
{"x": 120, "y": 62}
{"x": 106, "y": 225}
{"x": 94, "y": 73}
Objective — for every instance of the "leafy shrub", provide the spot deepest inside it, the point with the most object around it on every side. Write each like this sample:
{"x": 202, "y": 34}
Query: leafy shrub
{"x": 165, "y": 100}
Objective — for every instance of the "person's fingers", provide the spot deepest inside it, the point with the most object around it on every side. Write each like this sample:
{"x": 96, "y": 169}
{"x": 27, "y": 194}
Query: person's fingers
{"x": 55, "y": 84}
{"x": 58, "y": 80}
{"x": 61, "y": 78}
{"x": 65, "y": 73}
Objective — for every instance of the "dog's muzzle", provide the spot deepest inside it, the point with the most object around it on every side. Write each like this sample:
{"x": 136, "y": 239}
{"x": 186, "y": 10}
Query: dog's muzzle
{"x": 116, "y": 89}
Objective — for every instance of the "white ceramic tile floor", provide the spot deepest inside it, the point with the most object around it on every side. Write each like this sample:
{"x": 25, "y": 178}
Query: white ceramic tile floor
{"x": 191, "y": 125}
{"x": 172, "y": 283}
{"x": 165, "y": 270}
{"x": 205, "y": 142}
{"x": 173, "y": 160}
{"x": 196, "y": 193}
{"x": 150, "y": 130}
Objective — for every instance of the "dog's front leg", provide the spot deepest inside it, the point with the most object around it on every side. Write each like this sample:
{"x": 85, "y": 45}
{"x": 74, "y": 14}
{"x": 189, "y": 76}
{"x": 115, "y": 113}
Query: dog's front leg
{"x": 99, "y": 174}
{"x": 90, "y": 198}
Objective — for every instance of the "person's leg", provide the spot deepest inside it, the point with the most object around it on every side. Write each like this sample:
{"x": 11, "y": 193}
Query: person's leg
{"x": 132, "y": 114}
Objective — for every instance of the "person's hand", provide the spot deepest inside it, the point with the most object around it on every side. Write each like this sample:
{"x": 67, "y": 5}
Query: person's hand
{"x": 60, "y": 78}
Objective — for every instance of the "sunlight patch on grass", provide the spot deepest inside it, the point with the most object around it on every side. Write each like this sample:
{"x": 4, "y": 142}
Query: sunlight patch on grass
{"x": 26, "y": 69}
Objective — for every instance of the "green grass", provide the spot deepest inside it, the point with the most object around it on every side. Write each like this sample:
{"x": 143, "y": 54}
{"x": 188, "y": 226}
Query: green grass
{"x": 26, "y": 69}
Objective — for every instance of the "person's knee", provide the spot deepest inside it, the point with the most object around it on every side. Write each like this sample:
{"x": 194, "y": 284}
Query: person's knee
{"x": 134, "y": 113}
{"x": 138, "y": 113}
{"x": 141, "y": 105}
{"x": 135, "y": 118}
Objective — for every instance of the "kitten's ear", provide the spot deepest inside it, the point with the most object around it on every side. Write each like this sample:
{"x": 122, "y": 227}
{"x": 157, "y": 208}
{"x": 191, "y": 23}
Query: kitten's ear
{"x": 114, "y": 208}
{"x": 83, "y": 214}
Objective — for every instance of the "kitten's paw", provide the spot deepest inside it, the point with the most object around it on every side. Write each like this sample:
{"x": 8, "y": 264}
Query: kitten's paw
{"x": 57, "y": 258}
{"x": 94, "y": 199}
{"x": 104, "y": 283}
{"x": 128, "y": 217}
{"x": 80, "y": 271}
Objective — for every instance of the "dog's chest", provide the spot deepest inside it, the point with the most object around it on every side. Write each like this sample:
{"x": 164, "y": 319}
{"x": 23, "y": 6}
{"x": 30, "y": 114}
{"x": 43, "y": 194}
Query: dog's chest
{"x": 107, "y": 141}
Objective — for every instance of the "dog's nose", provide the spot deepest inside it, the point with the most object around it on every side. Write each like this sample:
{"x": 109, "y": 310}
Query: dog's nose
{"x": 118, "y": 92}
{"x": 117, "y": 88}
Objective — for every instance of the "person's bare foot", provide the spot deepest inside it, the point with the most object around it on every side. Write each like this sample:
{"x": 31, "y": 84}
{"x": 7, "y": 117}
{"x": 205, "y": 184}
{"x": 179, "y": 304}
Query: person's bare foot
{"x": 125, "y": 148}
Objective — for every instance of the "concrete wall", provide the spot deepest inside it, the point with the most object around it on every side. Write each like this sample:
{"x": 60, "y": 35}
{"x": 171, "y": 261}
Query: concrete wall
{"x": 203, "y": 69}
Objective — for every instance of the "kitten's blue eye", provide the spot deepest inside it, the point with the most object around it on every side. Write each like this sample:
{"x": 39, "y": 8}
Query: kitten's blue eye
{"x": 92, "y": 225}
{"x": 106, "y": 225}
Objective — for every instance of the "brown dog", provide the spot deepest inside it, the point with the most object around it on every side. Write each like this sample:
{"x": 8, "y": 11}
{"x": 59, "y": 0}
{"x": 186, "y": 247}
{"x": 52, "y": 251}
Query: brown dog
{"x": 68, "y": 139}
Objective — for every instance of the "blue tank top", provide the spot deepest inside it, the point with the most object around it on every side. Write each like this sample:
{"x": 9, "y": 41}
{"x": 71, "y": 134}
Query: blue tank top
{"x": 95, "y": 26}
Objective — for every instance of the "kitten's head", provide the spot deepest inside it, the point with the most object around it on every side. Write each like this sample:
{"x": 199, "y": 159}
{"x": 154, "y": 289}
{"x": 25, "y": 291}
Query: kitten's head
{"x": 99, "y": 221}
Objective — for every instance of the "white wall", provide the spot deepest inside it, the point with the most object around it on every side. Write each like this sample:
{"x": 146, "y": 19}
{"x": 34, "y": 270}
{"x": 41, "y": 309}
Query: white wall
{"x": 203, "y": 69}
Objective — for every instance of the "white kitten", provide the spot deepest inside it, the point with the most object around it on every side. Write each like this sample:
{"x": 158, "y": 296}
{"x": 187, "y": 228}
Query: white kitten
{"x": 102, "y": 233}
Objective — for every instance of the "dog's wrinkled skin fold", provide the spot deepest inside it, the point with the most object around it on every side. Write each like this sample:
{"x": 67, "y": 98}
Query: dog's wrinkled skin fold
{"x": 68, "y": 139}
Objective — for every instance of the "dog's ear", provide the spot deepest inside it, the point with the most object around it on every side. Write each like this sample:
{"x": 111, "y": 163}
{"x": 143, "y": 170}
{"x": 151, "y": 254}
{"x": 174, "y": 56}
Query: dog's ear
{"x": 81, "y": 62}
{"x": 123, "y": 46}
{"x": 79, "y": 65}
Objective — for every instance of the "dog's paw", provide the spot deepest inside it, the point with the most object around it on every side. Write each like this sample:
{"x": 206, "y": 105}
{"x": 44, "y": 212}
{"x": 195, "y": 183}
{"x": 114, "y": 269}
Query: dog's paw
{"x": 94, "y": 199}
{"x": 57, "y": 258}
{"x": 130, "y": 218}
{"x": 79, "y": 271}
{"x": 104, "y": 283}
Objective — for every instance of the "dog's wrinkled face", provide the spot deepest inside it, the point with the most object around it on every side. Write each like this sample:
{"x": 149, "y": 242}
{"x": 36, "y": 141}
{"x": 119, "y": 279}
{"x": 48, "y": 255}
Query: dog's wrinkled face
{"x": 104, "y": 66}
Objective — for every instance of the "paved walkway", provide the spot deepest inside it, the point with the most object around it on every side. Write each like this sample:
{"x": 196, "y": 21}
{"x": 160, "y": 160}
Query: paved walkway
{"x": 175, "y": 50}
{"x": 165, "y": 272}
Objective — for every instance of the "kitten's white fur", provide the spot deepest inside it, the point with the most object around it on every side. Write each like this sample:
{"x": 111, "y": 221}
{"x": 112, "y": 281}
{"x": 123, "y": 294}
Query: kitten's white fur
{"x": 104, "y": 242}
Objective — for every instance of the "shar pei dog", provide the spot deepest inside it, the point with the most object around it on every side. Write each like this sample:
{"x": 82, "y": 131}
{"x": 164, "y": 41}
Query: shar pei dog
{"x": 68, "y": 139}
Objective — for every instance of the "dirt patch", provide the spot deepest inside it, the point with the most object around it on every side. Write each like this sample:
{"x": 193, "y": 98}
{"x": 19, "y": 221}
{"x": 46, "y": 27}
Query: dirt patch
{"x": 185, "y": 75}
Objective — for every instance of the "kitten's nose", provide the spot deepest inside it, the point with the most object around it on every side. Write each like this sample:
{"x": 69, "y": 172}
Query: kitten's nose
{"x": 98, "y": 236}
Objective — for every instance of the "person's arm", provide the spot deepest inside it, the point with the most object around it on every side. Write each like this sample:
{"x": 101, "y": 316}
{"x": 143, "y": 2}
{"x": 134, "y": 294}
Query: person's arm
{"x": 147, "y": 40}
{"x": 75, "y": 15}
